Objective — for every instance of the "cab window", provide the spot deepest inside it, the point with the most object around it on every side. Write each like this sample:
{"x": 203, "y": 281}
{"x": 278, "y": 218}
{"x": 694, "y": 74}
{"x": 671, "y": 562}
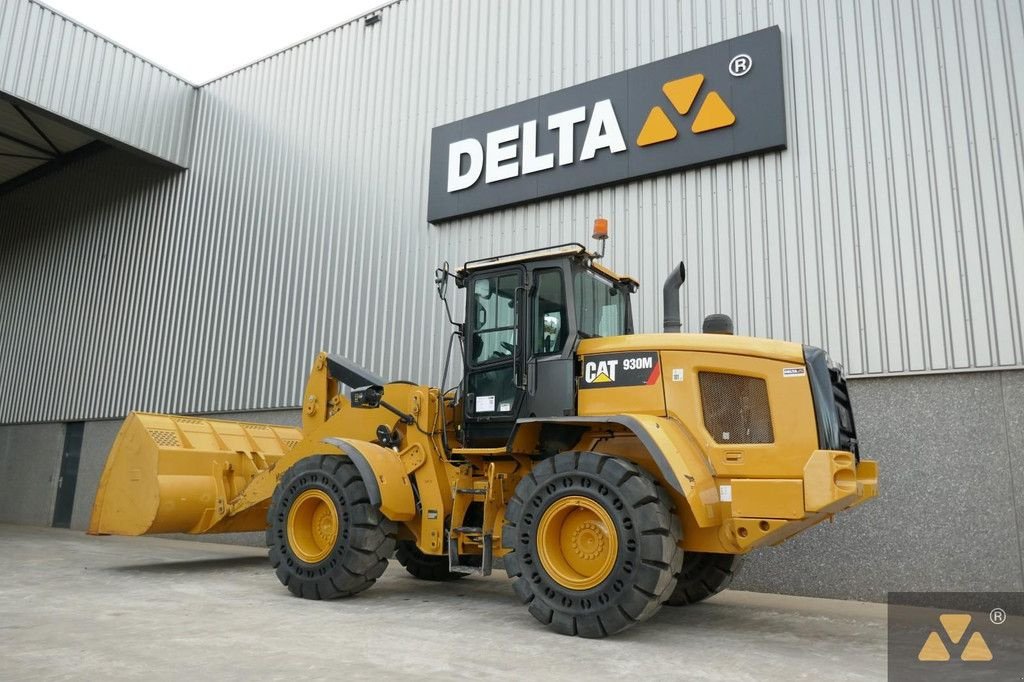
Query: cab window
{"x": 550, "y": 328}
{"x": 494, "y": 319}
{"x": 600, "y": 305}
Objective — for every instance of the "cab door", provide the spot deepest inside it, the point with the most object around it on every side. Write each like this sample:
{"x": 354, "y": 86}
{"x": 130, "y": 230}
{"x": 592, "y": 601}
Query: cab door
{"x": 551, "y": 355}
{"x": 493, "y": 337}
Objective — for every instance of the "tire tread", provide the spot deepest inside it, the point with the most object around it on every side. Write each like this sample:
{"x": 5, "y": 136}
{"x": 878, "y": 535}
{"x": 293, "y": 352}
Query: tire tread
{"x": 371, "y": 537}
{"x": 657, "y": 530}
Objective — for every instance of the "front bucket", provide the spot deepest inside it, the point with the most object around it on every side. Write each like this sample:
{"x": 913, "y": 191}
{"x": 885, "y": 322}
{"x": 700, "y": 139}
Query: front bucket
{"x": 169, "y": 474}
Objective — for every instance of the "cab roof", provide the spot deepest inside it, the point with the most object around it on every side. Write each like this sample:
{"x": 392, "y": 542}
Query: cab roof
{"x": 569, "y": 250}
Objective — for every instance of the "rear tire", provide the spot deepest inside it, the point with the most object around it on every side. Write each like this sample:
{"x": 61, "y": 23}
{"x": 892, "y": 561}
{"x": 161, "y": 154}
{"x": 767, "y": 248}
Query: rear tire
{"x": 424, "y": 566}
{"x": 704, "y": 575}
{"x": 325, "y": 538}
{"x": 594, "y": 544}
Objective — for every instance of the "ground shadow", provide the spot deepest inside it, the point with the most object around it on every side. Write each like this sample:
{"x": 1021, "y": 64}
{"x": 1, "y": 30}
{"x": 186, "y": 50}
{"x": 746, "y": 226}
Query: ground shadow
{"x": 196, "y": 565}
{"x": 488, "y": 595}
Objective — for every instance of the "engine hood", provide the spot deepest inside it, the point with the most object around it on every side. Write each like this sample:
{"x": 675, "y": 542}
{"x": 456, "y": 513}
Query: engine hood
{"x": 784, "y": 351}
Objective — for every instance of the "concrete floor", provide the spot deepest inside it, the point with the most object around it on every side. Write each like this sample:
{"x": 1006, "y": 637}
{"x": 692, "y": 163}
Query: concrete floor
{"x": 80, "y": 607}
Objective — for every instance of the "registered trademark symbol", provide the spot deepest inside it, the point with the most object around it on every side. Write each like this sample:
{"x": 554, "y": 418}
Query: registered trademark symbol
{"x": 997, "y": 616}
{"x": 740, "y": 65}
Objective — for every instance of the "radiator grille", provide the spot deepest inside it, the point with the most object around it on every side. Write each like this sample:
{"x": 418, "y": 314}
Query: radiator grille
{"x": 166, "y": 438}
{"x": 844, "y": 413}
{"x": 736, "y": 408}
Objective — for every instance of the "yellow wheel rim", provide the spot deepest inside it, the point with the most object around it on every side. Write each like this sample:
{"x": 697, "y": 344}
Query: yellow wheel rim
{"x": 312, "y": 526}
{"x": 577, "y": 542}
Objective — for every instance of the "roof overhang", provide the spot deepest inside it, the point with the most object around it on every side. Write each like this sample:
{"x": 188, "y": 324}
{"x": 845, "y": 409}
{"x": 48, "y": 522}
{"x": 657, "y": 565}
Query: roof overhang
{"x": 65, "y": 90}
{"x": 32, "y": 143}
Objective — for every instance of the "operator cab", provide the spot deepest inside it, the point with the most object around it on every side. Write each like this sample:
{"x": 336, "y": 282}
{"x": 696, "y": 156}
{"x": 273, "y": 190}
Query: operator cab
{"x": 525, "y": 315}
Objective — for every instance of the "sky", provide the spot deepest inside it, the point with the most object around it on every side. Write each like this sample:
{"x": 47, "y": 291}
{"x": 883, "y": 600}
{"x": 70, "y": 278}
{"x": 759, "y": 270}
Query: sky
{"x": 200, "y": 40}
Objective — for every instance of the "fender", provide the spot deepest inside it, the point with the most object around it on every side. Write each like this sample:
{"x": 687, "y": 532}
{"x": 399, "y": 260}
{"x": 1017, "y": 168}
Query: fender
{"x": 683, "y": 467}
{"x": 384, "y": 476}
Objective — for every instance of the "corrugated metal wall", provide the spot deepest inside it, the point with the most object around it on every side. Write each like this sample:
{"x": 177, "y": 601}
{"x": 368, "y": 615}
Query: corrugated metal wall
{"x": 55, "y": 64}
{"x": 891, "y": 231}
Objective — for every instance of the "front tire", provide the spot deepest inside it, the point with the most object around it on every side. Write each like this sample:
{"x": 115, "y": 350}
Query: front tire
{"x": 594, "y": 544}
{"x": 325, "y": 538}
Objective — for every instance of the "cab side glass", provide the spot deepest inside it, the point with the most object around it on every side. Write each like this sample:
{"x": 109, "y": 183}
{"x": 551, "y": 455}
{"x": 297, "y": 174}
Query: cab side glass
{"x": 550, "y": 328}
{"x": 494, "y": 323}
{"x": 600, "y": 305}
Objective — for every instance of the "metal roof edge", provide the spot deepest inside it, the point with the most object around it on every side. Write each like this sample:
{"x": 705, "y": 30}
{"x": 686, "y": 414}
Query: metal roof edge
{"x": 301, "y": 42}
{"x": 117, "y": 44}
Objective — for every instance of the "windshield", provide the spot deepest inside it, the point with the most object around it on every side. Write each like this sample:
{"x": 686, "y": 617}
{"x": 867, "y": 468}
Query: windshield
{"x": 601, "y": 307}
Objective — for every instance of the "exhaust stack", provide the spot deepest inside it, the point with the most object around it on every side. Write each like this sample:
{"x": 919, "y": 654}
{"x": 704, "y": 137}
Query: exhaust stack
{"x": 672, "y": 322}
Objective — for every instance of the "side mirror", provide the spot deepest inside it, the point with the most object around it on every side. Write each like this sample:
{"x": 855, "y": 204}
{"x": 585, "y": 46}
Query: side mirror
{"x": 441, "y": 276}
{"x": 367, "y": 397}
{"x": 441, "y": 280}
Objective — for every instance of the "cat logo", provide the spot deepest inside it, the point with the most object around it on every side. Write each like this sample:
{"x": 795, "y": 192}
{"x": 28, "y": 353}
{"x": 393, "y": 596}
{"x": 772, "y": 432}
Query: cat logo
{"x": 600, "y": 372}
{"x": 611, "y": 370}
{"x": 955, "y": 625}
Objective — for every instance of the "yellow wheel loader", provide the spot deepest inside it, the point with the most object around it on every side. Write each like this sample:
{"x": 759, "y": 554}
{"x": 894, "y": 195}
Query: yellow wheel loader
{"x": 612, "y": 472}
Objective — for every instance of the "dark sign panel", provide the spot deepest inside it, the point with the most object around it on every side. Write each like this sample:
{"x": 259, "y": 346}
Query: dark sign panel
{"x": 611, "y": 370}
{"x": 718, "y": 102}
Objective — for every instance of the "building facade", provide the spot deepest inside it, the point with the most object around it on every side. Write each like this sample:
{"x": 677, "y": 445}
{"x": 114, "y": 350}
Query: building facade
{"x": 215, "y": 238}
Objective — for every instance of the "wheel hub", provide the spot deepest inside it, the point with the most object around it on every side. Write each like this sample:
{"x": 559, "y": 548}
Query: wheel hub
{"x": 577, "y": 542}
{"x": 312, "y": 526}
{"x": 588, "y": 540}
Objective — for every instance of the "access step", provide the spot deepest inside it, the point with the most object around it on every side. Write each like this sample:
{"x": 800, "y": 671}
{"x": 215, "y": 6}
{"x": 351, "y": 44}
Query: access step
{"x": 486, "y": 557}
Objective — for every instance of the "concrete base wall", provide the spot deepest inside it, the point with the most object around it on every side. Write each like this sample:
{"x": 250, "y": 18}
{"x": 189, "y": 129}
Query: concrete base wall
{"x": 950, "y": 511}
{"x": 29, "y": 471}
{"x": 950, "y": 514}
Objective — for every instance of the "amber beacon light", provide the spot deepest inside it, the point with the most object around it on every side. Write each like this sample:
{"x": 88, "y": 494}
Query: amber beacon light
{"x": 601, "y": 233}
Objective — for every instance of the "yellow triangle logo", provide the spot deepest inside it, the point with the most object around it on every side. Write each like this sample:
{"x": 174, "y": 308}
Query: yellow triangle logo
{"x": 933, "y": 649}
{"x": 656, "y": 129}
{"x": 683, "y": 91}
{"x": 955, "y": 625}
{"x": 976, "y": 649}
{"x": 714, "y": 113}
{"x": 601, "y": 378}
